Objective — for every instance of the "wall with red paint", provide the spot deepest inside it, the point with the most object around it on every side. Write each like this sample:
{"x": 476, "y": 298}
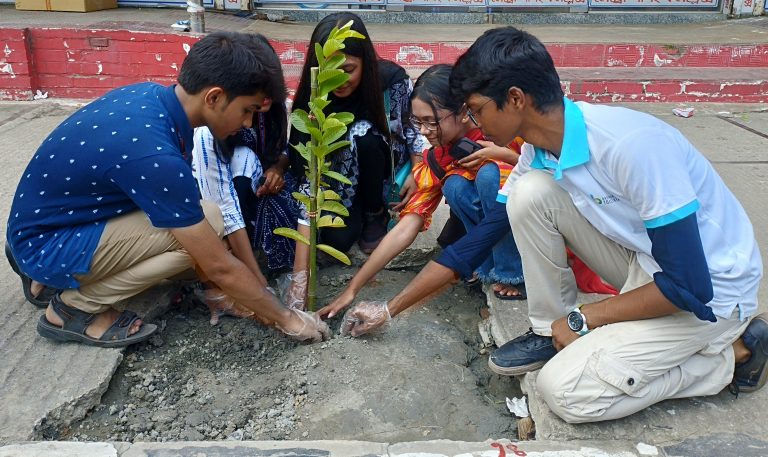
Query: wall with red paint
{"x": 80, "y": 63}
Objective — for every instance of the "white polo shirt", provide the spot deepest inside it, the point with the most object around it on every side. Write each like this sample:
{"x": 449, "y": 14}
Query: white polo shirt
{"x": 628, "y": 171}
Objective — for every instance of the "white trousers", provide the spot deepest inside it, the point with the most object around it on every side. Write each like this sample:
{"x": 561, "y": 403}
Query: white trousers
{"x": 618, "y": 369}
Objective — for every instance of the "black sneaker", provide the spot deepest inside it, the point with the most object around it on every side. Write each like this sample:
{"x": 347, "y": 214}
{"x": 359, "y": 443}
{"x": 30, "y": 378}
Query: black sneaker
{"x": 525, "y": 353}
{"x": 752, "y": 374}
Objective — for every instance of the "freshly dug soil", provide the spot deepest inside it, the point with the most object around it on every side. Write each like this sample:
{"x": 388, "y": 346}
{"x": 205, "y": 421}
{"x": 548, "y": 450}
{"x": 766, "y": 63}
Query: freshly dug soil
{"x": 424, "y": 377}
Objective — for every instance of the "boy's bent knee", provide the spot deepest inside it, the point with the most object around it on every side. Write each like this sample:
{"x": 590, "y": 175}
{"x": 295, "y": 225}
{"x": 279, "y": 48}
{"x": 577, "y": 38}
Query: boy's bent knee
{"x": 213, "y": 216}
{"x": 554, "y": 386}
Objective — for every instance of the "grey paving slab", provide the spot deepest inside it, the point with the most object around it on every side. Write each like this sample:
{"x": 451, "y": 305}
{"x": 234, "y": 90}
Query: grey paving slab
{"x": 258, "y": 449}
{"x": 59, "y": 449}
{"x": 502, "y": 447}
{"x": 721, "y": 444}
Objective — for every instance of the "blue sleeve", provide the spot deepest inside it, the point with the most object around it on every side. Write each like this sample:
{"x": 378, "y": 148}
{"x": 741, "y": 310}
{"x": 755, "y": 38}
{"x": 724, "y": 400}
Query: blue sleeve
{"x": 163, "y": 187}
{"x": 684, "y": 278}
{"x": 466, "y": 254}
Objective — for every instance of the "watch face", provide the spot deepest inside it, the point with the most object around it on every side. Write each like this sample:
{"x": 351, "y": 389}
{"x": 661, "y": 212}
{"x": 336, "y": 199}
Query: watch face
{"x": 575, "y": 321}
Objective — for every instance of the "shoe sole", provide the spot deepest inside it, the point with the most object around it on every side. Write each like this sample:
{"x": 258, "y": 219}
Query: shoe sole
{"x": 764, "y": 376}
{"x": 515, "y": 371}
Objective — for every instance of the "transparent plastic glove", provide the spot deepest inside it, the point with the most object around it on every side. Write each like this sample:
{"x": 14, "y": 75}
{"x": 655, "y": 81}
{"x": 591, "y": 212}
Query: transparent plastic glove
{"x": 293, "y": 290}
{"x": 220, "y": 304}
{"x": 365, "y": 317}
{"x": 306, "y": 327}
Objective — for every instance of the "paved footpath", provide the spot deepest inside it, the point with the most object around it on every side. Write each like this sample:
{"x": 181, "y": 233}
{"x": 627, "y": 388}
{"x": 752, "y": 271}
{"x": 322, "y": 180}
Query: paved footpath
{"x": 31, "y": 404}
{"x": 499, "y": 448}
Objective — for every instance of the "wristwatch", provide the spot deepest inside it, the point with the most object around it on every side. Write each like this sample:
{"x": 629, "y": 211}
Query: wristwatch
{"x": 577, "y": 322}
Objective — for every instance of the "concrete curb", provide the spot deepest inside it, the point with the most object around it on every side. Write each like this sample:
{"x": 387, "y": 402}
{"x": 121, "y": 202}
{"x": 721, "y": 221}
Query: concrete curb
{"x": 438, "y": 448}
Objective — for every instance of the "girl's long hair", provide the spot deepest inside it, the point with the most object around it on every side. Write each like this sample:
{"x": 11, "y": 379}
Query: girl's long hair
{"x": 370, "y": 89}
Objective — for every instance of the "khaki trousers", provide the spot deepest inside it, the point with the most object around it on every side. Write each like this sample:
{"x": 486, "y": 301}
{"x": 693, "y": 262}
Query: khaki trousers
{"x": 131, "y": 257}
{"x": 618, "y": 369}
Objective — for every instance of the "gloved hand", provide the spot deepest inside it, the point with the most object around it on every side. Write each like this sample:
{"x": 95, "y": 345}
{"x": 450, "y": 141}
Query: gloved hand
{"x": 294, "y": 290}
{"x": 365, "y": 317}
{"x": 220, "y": 304}
{"x": 305, "y": 326}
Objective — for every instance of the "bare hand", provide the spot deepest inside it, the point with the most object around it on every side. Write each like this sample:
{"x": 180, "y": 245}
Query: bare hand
{"x": 490, "y": 151}
{"x": 562, "y": 335}
{"x": 273, "y": 182}
{"x": 341, "y": 302}
{"x": 365, "y": 317}
{"x": 303, "y": 326}
{"x": 406, "y": 192}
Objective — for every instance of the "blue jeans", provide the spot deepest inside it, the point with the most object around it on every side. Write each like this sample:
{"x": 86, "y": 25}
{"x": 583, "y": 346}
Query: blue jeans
{"x": 469, "y": 200}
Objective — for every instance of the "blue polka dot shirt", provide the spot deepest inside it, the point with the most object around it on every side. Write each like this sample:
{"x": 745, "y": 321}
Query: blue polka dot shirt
{"x": 129, "y": 150}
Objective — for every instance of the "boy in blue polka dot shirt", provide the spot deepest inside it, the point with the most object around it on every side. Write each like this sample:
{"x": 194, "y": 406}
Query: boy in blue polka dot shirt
{"x": 108, "y": 205}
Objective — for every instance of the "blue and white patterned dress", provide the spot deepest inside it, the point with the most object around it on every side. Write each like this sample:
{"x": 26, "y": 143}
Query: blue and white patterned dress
{"x": 215, "y": 178}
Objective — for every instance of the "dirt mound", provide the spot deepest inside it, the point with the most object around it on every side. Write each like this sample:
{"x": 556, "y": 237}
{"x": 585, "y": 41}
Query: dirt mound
{"x": 421, "y": 378}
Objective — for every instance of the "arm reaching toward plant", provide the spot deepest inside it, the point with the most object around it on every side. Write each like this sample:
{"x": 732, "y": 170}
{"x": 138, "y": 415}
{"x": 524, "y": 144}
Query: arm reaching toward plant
{"x": 395, "y": 242}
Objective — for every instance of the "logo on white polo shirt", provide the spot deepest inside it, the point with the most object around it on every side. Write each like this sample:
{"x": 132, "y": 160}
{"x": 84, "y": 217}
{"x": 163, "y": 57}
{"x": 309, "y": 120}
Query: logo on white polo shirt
{"x": 605, "y": 199}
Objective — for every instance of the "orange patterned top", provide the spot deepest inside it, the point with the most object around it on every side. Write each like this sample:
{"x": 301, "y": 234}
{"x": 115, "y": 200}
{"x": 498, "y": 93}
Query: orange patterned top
{"x": 429, "y": 190}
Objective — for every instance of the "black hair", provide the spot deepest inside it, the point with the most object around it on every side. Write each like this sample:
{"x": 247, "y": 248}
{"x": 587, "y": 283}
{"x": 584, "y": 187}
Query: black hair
{"x": 239, "y": 63}
{"x": 505, "y": 57}
{"x": 370, "y": 90}
{"x": 433, "y": 88}
{"x": 263, "y": 74}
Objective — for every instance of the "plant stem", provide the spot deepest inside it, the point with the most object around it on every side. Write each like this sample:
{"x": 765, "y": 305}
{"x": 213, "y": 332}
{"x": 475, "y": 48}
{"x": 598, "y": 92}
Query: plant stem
{"x": 314, "y": 185}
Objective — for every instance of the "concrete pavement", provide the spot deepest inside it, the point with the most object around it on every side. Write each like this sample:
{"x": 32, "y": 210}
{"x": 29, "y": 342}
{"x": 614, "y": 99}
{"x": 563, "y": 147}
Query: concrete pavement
{"x": 32, "y": 408}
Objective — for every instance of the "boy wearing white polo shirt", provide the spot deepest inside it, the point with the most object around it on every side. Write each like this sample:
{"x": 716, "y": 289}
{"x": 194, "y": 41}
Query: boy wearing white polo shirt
{"x": 652, "y": 218}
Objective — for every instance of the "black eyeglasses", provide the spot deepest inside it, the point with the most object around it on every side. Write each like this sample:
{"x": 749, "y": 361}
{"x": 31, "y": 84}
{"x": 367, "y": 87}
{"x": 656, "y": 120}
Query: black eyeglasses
{"x": 472, "y": 115}
{"x": 429, "y": 125}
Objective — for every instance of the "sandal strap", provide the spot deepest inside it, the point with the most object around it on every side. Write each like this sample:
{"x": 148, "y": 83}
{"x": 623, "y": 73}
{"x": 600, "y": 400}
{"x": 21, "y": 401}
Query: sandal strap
{"x": 120, "y": 328}
{"x": 75, "y": 320}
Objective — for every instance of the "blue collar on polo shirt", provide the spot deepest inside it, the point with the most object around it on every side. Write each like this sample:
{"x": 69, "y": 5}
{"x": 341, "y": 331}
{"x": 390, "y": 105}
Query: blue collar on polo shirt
{"x": 179, "y": 118}
{"x": 575, "y": 150}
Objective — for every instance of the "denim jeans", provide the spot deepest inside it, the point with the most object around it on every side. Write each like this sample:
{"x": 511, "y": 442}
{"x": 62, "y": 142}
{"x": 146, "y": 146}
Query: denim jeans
{"x": 470, "y": 200}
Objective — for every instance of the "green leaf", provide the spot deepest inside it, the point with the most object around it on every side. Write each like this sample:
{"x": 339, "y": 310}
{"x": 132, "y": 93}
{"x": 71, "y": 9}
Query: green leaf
{"x": 325, "y": 75}
{"x": 320, "y": 197}
{"x": 350, "y": 34}
{"x": 330, "y": 195}
{"x": 337, "y": 176}
{"x": 302, "y": 198}
{"x": 300, "y": 120}
{"x": 331, "y": 46}
{"x": 318, "y": 112}
{"x": 335, "y": 253}
{"x": 292, "y": 234}
{"x": 321, "y": 103}
{"x": 337, "y": 145}
{"x": 343, "y": 117}
{"x": 330, "y": 221}
{"x": 320, "y": 55}
{"x": 335, "y": 61}
{"x": 316, "y": 135}
{"x": 332, "y": 134}
{"x": 335, "y": 207}
{"x": 302, "y": 149}
{"x": 332, "y": 84}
